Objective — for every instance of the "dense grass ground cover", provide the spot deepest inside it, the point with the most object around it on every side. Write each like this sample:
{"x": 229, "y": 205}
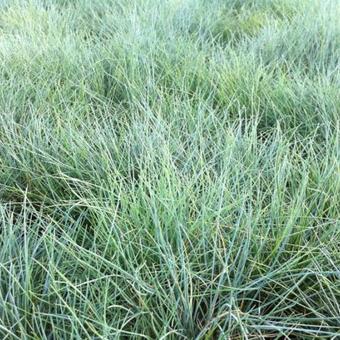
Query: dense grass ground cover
{"x": 169, "y": 169}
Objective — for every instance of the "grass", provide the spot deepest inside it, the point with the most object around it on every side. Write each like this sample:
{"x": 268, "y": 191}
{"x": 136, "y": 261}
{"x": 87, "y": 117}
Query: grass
{"x": 169, "y": 169}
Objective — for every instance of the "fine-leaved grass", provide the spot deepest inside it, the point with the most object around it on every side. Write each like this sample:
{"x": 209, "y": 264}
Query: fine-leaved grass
{"x": 169, "y": 169}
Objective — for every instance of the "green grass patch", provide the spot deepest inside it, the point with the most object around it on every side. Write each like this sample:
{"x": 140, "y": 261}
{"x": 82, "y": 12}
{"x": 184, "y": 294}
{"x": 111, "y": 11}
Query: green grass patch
{"x": 169, "y": 169}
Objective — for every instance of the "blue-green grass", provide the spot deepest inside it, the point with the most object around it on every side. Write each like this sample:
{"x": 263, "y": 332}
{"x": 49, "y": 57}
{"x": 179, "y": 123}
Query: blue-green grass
{"x": 169, "y": 169}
